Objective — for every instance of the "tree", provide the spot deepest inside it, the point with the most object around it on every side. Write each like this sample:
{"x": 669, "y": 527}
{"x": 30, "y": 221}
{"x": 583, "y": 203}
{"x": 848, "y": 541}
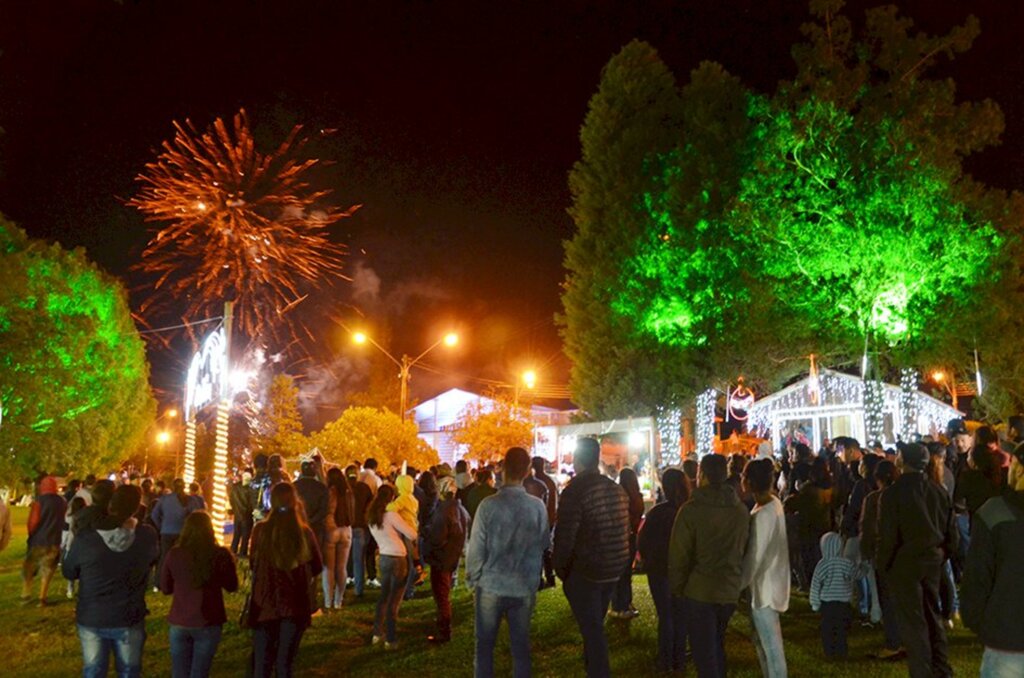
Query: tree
{"x": 829, "y": 216}
{"x": 279, "y": 424}
{"x": 489, "y": 429}
{"x": 364, "y": 432}
{"x": 74, "y": 381}
{"x": 633, "y": 117}
{"x": 871, "y": 226}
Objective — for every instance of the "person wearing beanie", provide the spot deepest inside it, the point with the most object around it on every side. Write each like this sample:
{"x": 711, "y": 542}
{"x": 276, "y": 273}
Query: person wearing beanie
{"x": 45, "y": 524}
{"x": 916, "y": 535}
{"x": 443, "y": 542}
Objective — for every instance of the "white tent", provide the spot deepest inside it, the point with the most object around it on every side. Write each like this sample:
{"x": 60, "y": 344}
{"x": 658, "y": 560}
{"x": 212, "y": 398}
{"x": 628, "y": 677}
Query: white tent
{"x": 834, "y": 406}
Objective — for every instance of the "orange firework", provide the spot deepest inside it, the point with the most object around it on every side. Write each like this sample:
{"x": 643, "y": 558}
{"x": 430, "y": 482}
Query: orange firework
{"x": 240, "y": 224}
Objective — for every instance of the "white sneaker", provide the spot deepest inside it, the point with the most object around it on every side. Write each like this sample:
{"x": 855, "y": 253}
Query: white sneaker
{"x": 391, "y": 646}
{"x": 376, "y": 640}
{"x": 373, "y": 584}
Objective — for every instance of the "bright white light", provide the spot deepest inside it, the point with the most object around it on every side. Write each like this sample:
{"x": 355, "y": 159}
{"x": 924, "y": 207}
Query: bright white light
{"x": 637, "y": 439}
{"x": 530, "y": 378}
{"x": 240, "y": 380}
{"x": 451, "y": 339}
{"x": 359, "y": 338}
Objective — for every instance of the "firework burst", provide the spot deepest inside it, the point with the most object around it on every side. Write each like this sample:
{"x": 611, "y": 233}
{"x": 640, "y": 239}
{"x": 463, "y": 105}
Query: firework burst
{"x": 240, "y": 225}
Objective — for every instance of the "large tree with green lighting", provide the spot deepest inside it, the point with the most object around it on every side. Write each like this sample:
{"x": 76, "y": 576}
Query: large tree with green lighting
{"x": 74, "y": 381}
{"x": 829, "y": 215}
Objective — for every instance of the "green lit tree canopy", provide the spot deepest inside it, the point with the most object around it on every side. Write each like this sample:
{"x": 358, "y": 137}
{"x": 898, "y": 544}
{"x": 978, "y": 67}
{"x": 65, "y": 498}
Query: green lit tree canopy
{"x": 73, "y": 373}
{"x": 721, "y": 231}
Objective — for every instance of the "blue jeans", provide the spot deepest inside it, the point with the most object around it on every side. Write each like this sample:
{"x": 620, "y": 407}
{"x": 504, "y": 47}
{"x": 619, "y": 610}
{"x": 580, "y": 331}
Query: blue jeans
{"x": 963, "y": 526}
{"x": 393, "y": 573}
{"x": 358, "y": 553}
{"x": 705, "y": 625}
{"x": 589, "y": 602}
{"x": 275, "y": 645}
{"x": 771, "y": 653}
{"x": 126, "y": 642}
{"x": 998, "y": 664}
{"x": 192, "y": 650}
{"x": 490, "y": 610}
{"x": 671, "y": 624}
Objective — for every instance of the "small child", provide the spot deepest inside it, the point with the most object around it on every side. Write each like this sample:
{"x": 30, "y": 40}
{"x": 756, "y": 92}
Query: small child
{"x": 831, "y": 593}
{"x": 67, "y": 535}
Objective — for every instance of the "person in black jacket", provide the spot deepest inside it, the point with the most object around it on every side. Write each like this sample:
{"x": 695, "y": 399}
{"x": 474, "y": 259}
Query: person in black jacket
{"x": 315, "y": 498}
{"x": 551, "y": 502}
{"x": 916, "y": 535}
{"x": 242, "y": 504}
{"x": 992, "y": 591}
{"x": 443, "y": 542}
{"x": 111, "y": 563}
{"x": 652, "y": 543}
{"x": 591, "y": 549}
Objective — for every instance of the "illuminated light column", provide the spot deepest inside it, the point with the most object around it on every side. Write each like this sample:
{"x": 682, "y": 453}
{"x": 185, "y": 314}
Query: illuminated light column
{"x": 219, "y": 513}
{"x": 189, "y": 473}
{"x": 909, "y": 410}
{"x": 705, "y": 434}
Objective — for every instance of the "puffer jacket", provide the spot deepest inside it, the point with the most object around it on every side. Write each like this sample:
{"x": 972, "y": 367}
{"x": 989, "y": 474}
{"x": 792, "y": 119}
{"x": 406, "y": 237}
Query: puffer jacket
{"x": 709, "y": 538}
{"x": 992, "y": 592}
{"x": 593, "y": 531}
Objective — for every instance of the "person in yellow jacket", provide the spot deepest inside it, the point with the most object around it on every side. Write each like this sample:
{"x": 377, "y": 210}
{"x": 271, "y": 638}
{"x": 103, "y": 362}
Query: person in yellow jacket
{"x": 407, "y": 506}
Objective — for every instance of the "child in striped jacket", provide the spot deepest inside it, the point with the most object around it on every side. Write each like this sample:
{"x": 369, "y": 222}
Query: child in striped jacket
{"x": 831, "y": 593}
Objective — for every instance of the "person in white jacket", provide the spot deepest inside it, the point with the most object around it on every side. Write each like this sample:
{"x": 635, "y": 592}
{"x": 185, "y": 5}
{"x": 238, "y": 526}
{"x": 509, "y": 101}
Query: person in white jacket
{"x": 766, "y": 568}
{"x": 388, "y": 528}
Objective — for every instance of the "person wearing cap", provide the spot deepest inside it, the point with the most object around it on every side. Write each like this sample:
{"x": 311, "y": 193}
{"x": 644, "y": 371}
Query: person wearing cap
{"x": 916, "y": 535}
{"x": 443, "y": 542}
{"x": 992, "y": 592}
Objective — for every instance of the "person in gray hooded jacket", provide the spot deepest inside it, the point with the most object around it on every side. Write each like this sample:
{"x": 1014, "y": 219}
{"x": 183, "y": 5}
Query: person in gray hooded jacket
{"x": 111, "y": 563}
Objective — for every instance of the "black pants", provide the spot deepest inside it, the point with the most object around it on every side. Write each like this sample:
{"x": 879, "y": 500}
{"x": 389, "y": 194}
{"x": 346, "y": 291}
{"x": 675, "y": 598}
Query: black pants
{"x": 706, "y": 624}
{"x": 589, "y": 602}
{"x": 915, "y": 592}
{"x": 240, "y": 537}
{"x": 835, "y": 625}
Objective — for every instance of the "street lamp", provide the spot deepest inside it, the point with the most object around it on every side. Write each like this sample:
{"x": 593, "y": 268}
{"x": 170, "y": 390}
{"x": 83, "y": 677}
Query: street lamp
{"x": 406, "y": 363}
{"x": 527, "y": 379}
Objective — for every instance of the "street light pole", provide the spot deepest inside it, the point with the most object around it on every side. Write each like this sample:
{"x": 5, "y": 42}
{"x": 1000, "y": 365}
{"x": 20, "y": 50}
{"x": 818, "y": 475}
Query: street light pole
{"x": 404, "y": 376}
{"x": 406, "y": 363}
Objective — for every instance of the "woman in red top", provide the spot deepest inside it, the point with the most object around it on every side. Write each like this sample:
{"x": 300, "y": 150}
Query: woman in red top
{"x": 284, "y": 559}
{"x": 196, "y": 572}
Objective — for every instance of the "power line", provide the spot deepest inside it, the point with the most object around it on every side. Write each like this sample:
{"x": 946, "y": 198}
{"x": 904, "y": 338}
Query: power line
{"x": 182, "y": 326}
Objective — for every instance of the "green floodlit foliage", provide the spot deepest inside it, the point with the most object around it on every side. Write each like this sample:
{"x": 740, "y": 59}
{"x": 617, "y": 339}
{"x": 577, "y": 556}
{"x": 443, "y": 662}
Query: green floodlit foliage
{"x": 723, "y": 232}
{"x": 73, "y": 373}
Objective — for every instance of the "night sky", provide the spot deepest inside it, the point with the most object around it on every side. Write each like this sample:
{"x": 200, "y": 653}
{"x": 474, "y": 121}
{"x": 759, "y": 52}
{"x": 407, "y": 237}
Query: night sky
{"x": 457, "y": 124}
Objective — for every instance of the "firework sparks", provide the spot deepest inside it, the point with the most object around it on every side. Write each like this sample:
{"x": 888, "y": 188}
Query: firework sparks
{"x": 240, "y": 224}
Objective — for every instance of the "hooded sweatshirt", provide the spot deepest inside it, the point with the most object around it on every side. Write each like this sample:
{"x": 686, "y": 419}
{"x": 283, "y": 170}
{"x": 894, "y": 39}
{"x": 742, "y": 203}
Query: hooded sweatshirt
{"x": 405, "y": 504}
{"x": 834, "y": 575}
{"x": 112, "y": 566}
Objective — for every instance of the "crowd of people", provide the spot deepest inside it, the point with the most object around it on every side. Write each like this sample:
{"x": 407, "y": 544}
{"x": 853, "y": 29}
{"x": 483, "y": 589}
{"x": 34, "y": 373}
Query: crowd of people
{"x": 913, "y": 538}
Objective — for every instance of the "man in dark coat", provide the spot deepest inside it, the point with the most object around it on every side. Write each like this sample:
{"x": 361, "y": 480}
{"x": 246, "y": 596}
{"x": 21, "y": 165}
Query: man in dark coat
{"x": 315, "y": 498}
{"x": 916, "y": 536}
{"x": 591, "y": 549}
{"x": 551, "y": 502}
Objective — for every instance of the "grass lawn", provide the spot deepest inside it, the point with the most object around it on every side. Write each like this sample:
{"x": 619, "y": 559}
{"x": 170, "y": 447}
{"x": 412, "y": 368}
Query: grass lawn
{"x": 43, "y": 642}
